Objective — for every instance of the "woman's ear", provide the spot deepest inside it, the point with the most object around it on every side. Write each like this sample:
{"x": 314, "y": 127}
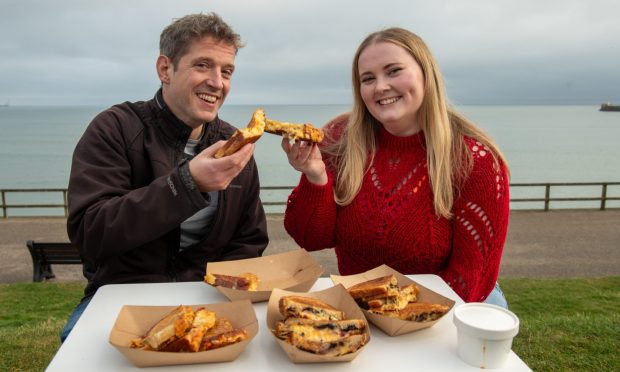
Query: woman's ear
{"x": 164, "y": 67}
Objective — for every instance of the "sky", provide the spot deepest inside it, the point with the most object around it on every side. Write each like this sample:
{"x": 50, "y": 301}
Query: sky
{"x": 525, "y": 52}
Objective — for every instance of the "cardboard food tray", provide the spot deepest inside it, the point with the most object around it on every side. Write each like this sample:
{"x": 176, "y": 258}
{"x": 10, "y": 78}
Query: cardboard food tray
{"x": 134, "y": 321}
{"x": 337, "y": 297}
{"x": 295, "y": 270}
{"x": 395, "y": 326}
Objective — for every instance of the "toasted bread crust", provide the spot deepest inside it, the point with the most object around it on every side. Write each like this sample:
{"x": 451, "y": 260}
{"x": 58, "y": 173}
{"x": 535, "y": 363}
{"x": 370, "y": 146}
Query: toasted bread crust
{"x": 222, "y": 325}
{"x": 309, "y": 308}
{"x": 242, "y": 137}
{"x": 223, "y": 339}
{"x": 378, "y": 287}
{"x": 173, "y": 326}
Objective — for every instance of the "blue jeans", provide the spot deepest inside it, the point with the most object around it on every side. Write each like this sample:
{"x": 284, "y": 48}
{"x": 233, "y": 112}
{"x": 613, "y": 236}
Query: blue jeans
{"x": 73, "y": 318}
{"x": 496, "y": 297}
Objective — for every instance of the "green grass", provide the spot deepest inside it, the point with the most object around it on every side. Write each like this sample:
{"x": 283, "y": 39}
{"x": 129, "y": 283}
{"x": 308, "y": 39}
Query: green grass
{"x": 31, "y": 317}
{"x": 566, "y": 324}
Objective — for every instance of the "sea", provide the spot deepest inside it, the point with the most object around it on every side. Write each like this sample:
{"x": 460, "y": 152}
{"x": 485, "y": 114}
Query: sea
{"x": 541, "y": 143}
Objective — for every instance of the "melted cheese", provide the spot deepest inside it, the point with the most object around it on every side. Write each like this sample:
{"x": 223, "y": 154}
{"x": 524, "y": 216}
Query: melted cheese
{"x": 312, "y": 334}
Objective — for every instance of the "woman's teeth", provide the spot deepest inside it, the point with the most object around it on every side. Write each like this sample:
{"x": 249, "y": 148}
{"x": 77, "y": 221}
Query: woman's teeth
{"x": 387, "y": 101}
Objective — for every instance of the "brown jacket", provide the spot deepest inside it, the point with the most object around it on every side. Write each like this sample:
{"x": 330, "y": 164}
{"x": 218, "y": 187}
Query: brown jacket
{"x": 130, "y": 189}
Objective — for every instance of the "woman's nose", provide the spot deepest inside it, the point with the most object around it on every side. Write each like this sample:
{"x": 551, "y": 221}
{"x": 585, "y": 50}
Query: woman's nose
{"x": 382, "y": 85}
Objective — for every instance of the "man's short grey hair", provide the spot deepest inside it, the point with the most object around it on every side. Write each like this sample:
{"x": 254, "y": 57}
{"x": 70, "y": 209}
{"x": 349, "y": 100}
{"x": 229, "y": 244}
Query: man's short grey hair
{"x": 175, "y": 39}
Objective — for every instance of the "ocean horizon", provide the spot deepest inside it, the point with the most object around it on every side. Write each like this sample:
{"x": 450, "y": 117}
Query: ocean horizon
{"x": 560, "y": 143}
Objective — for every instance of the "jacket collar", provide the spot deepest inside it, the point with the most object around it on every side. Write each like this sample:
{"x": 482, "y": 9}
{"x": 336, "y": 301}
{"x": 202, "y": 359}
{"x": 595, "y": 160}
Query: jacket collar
{"x": 175, "y": 129}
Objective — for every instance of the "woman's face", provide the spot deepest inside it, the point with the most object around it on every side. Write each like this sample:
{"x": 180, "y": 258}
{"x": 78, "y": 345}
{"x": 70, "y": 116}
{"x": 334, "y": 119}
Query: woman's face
{"x": 392, "y": 87}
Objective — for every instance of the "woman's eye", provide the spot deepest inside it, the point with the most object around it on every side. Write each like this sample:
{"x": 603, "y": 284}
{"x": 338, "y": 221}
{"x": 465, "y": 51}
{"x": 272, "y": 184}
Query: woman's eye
{"x": 367, "y": 79}
{"x": 394, "y": 71}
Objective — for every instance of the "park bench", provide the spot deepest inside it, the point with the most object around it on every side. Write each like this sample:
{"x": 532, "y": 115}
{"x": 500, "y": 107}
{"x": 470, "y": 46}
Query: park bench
{"x": 44, "y": 255}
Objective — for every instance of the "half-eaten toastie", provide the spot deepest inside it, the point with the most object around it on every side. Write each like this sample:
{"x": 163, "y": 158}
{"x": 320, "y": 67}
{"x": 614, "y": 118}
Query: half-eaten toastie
{"x": 244, "y": 282}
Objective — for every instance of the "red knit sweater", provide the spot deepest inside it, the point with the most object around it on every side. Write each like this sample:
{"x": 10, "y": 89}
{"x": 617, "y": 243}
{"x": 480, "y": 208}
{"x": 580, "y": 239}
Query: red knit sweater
{"x": 392, "y": 221}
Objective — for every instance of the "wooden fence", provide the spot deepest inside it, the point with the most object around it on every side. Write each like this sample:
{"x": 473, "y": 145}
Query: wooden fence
{"x": 282, "y": 192}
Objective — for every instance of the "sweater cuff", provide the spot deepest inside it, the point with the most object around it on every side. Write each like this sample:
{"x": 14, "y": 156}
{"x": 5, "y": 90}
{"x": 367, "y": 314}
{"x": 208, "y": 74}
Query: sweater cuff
{"x": 190, "y": 186}
{"x": 186, "y": 176}
{"x": 316, "y": 193}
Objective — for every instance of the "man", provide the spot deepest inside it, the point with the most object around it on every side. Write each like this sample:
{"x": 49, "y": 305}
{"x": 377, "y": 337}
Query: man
{"x": 147, "y": 200}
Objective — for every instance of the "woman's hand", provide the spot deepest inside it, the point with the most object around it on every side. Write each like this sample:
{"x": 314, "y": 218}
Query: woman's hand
{"x": 305, "y": 157}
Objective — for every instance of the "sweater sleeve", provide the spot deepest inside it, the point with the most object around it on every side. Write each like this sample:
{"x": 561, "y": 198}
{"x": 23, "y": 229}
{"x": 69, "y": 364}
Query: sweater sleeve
{"x": 480, "y": 224}
{"x": 310, "y": 216}
{"x": 311, "y": 210}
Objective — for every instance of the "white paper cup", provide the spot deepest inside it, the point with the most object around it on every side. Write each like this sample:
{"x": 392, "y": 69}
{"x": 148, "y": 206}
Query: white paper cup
{"x": 484, "y": 334}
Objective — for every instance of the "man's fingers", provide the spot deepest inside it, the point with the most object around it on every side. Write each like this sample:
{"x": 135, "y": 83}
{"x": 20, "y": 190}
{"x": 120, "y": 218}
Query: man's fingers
{"x": 211, "y": 150}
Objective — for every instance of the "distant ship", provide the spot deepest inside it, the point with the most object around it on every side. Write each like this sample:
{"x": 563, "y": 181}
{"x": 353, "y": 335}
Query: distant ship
{"x": 609, "y": 107}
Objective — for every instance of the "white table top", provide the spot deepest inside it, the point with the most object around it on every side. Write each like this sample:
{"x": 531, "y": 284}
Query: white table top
{"x": 87, "y": 347}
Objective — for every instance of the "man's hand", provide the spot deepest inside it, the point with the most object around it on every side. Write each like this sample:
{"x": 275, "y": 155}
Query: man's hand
{"x": 212, "y": 174}
{"x": 306, "y": 157}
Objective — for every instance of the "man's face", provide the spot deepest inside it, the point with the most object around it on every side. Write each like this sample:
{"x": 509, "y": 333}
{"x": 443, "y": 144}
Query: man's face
{"x": 195, "y": 89}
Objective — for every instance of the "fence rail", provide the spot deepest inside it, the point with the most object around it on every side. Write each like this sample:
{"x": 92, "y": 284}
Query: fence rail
{"x": 545, "y": 201}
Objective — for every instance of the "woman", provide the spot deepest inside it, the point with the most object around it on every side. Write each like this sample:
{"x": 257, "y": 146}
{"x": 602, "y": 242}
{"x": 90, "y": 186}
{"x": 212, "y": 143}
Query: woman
{"x": 403, "y": 179}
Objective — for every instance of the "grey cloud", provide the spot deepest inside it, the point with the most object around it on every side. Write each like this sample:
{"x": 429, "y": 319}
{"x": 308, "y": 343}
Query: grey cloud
{"x": 526, "y": 51}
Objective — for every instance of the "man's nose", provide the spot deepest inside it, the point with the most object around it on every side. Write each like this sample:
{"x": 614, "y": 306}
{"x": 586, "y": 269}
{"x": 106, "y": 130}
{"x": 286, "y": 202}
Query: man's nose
{"x": 215, "y": 80}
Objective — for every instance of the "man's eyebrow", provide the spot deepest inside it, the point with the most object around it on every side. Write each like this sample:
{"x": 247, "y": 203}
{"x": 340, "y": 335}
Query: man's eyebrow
{"x": 212, "y": 61}
{"x": 202, "y": 59}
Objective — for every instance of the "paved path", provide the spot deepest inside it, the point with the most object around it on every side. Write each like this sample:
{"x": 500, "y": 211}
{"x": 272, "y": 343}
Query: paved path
{"x": 575, "y": 243}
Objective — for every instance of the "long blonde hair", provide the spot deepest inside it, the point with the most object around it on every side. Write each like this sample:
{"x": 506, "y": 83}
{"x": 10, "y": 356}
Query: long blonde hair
{"x": 449, "y": 160}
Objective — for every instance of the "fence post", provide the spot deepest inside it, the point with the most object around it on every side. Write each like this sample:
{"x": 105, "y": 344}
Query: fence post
{"x": 64, "y": 198}
{"x": 3, "y": 205}
{"x": 604, "y": 196}
{"x": 547, "y": 195}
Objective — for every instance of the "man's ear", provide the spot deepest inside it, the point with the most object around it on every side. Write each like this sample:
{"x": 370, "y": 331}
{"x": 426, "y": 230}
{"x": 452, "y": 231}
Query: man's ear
{"x": 164, "y": 67}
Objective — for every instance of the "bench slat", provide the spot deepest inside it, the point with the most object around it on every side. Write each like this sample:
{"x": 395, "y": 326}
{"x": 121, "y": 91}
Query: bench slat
{"x": 46, "y": 254}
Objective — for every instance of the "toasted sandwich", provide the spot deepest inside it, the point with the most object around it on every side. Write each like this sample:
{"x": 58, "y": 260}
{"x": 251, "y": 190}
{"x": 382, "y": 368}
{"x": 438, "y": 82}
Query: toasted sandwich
{"x": 404, "y": 296}
{"x": 303, "y": 132}
{"x": 190, "y": 341}
{"x": 173, "y": 326}
{"x": 218, "y": 340}
{"x": 385, "y": 286}
{"x": 324, "y": 337}
{"x": 308, "y": 308}
{"x": 245, "y": 282}
{"x": 419, "y": 312}
{"x": 222, "y": 325}
{"x": 241, "y": 137}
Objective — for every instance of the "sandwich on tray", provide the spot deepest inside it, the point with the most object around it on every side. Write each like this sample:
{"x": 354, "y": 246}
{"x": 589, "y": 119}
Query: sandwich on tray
{"x": 186, "y": 330}
{"x": 244, "y": 282}
{"x": 317, "y": 327}
{"x": 383, "y": 296}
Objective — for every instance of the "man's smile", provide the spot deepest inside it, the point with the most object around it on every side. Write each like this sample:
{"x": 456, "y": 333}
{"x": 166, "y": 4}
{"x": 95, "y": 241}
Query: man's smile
{"x": 207, "y": 97}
